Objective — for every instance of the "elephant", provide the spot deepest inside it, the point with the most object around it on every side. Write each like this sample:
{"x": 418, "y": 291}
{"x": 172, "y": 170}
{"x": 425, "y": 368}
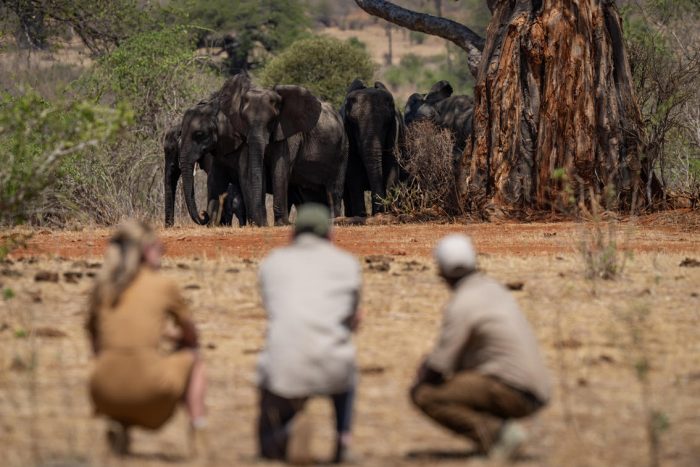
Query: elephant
{"x": 375, "y": 130}
{"x": 283, "y": 137}
{"x": 445, "y": 110}
{"x": 171, "y": 146}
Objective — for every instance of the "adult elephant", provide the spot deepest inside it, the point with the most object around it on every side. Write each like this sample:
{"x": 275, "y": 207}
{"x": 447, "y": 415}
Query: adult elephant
{"x": 282, "y": 136}
{"x": 171, "y": 147}
{"x": 445, "y": 110}
{"x": 374, "y": 128}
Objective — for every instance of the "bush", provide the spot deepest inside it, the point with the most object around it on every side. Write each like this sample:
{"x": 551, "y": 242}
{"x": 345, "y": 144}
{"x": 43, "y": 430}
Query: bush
{"x": 38, "y": 141}
{"x": 270, "y": 24}
{"x": 324, "y": 65}
{"x": 422, "y": 73}
{"x": 431, "y": 185}
{"x": 153, "y": 71}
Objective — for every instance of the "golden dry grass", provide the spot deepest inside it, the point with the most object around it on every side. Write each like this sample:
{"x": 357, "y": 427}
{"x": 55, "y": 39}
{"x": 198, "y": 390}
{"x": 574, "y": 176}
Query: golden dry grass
{"x": 596, "y": 417}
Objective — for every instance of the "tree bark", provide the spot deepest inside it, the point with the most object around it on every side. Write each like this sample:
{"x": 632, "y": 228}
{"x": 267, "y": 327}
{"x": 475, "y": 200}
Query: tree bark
{"x": 554, "y": 110}
{"x": 555, "y": 113}
{"x": 455, "y": 32}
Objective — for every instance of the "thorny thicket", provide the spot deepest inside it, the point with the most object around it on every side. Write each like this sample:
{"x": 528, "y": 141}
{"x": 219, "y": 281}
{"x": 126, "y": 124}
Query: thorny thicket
{"x": 429, "y": 184}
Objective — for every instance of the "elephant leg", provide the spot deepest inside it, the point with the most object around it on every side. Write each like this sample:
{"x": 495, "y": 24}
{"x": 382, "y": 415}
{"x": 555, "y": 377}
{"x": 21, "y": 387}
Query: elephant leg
{"x": 354, "y": 192}
{"x": 237, "y": 204}
{"x": 227, "y": 206}
{"x": 217, "y": 192}
{"x": 373, "y": 163}
{"x": 172, "y": 175}
{"x": 280, "y": 186}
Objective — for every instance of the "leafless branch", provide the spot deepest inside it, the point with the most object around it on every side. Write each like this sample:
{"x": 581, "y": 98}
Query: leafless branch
{"x": 453, "y": 31}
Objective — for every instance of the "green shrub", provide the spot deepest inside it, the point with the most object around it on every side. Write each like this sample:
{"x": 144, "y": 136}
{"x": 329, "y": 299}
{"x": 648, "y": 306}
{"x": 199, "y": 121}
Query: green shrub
{"x": 324, "y": 65}
{"x": 422, "y": 73}
{"x": 270, "y": 24}
{"x": 153, "y": 71}
{"x": 37, "y": 140}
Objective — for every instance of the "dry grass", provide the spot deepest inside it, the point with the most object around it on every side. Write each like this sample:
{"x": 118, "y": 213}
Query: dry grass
{"x": 597, "y": 416}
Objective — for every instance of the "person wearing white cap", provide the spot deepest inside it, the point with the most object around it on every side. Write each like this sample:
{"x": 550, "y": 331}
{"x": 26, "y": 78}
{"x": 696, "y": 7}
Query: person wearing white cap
{"x": 485, "y": 369}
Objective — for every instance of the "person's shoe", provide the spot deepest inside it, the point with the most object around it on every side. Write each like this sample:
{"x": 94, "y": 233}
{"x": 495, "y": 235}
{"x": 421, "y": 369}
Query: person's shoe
{"x": 510, "y": 440}
{"x": 118, "y": 438}
{"x": 299, "y": 442}
{"x": 344, "y": 454}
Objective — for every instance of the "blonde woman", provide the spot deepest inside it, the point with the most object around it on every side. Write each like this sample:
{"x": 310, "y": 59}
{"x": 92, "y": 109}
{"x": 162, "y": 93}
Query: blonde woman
{"x": 135, "y": 381}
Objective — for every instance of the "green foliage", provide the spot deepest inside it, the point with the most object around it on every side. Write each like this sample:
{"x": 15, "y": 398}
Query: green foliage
{"x": 100, "y": 24}
{"x": 270, "y": 24}
{"x": 422, "y": 73}
{"x": 37, "y": 137}
{"x": 324, "y": 65}
{"x": 663, "y": 43}
{"x": 151, "y": 71}
{"x": 8, "y": 294}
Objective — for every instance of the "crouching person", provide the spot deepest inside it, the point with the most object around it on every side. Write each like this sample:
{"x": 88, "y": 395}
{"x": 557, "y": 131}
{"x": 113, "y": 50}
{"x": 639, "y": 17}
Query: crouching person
{"x": 310, "y": 291}
{"x": 135, "y": 381}
{"x": 485, "y": 369}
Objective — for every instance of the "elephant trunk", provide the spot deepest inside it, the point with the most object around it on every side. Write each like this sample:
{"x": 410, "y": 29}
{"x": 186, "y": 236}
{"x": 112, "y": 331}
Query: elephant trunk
{"x": 188, "y": 190}
{"x": 255, "y": 202}
{"x": 373, "y": 160}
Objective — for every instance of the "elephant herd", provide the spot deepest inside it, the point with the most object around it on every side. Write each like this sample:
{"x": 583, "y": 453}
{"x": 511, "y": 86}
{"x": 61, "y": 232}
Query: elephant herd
{"x": 252, "y": 141}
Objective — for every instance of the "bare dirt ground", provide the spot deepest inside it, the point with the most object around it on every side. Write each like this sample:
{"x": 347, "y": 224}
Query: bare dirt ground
{"x": 618, "y": 350}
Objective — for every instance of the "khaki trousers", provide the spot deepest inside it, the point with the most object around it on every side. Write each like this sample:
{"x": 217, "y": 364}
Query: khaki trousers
{"x": 473, "y": 405}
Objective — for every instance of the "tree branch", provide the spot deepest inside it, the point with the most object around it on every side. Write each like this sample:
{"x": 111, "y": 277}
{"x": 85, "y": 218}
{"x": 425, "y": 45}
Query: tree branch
{"x": 453, "y": 31}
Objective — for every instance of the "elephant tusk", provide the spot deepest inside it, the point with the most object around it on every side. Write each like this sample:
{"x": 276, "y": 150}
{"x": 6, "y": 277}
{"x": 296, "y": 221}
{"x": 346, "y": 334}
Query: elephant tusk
{"x": 194, "y": 171}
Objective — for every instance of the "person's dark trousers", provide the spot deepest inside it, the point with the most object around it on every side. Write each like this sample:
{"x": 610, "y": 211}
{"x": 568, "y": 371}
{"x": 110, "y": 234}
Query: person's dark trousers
{"x": 473, "y": 405}
{"x": 277, "y": 413}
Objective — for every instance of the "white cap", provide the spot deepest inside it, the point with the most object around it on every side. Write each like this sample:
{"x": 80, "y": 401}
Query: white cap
{"x": 455, "y": 256}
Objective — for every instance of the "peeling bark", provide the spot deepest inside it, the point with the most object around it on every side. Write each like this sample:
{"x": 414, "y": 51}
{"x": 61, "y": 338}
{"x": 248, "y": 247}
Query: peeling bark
{"x": 554, "y": 94}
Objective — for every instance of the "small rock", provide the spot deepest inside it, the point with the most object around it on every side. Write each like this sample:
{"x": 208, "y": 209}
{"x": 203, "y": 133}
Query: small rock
{"x": 94, "y": 265}
{"x": 211, "y": 345}
{"x": 90, "y": 274}
{"x": 379, "y": 267}
{"x": 49, "y": 332}
{"x": 192, "y": 287}
{"x": 570, "y": 343}
{"x": 10, "y": 273}
{"x": 378, "y": 259}
{"x": 517, "y": 285}
{"x": 72, "y": 277}
{"x": 4, "y": 327}
{"x": 35, "y": 296}
{"x": 372, "y": 370}
{"x": 690, "y": 263}
{"x": 606, "y": 358}
{"x": 550, "y": 234}
{"x": 561, "y": 274}
{"x": 182, "y": 266}
{"x": 233, "y": 271}
{"x": 46, "y": 276}
{"x": 693, "y": 294}
{"x": 559, "y": 258}
{"x": 582, "y": 382}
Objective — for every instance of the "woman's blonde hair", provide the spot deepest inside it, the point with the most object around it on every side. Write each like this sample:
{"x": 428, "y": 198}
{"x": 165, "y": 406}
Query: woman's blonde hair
{"x": 122, "y": 262}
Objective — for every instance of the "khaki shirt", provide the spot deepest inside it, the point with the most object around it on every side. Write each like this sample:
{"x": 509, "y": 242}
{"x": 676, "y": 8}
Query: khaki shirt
{"x": 483, "y": 330}
{"x": 139, "y": 318}
{"x": 310, "y": 292}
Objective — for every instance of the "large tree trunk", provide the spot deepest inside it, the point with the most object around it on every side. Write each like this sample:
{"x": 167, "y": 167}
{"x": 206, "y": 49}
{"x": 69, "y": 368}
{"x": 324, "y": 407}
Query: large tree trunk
{"x": 554, "y": 109}
{"x": 554, "y": 112}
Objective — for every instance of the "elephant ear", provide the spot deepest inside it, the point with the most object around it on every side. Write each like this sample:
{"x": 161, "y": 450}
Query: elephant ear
{"x": 230, "y": 98}
{"x": 355, "y": 85}
{"x": 299, "y": 111}
{"x": 380, "y": 85}
{"x": 440, "y": 90}
{"x": 228, "y": 139}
